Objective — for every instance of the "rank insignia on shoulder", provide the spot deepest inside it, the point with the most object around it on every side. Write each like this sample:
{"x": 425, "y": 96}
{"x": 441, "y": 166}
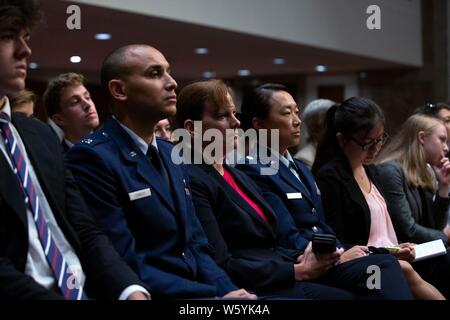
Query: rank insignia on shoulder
{"x": 87, "y": 141}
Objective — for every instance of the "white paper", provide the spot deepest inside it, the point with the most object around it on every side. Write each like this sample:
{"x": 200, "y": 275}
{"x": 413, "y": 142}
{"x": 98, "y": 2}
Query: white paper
{"x": 429, "y": 249}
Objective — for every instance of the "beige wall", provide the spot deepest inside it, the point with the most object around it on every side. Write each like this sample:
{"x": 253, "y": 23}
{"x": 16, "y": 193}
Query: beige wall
{"x": 332, "y": 24}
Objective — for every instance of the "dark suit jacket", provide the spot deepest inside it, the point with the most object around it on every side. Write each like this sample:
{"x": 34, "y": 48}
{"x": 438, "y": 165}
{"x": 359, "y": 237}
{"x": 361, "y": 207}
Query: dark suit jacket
{"x": 156, "y": 232}
{"x": 345, "y": 207}
{"x": 298, "y": 218}
{"x": 107, "y": 275}
{"x": 417, "y": 215}
{"x": 245, "y": 245}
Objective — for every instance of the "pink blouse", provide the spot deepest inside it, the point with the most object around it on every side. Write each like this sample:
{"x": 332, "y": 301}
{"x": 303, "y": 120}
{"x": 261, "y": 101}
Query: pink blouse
{"x": 382, "y": 233}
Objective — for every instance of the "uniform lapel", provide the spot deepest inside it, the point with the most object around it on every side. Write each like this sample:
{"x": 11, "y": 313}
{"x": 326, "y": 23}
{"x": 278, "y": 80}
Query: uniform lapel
{"x": 253, "y": 195}
{"x": 356, "y": 195}
{"x": 291, "y": 179}
{"x": 175, "y": 174}
{"x": 132, "y": 154}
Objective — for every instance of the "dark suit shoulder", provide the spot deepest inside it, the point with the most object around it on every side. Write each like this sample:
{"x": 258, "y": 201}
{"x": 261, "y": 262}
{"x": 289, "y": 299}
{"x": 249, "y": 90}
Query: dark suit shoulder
{"x": 389, "y": 166}
{"x": 198, "y": 172}
{"x": 240, "y": 174}
{"x": 22, "y": 121}
{"x": 389, "y": 173}
{"x": 337, "y": 167}
{"x": 328, "y": 168}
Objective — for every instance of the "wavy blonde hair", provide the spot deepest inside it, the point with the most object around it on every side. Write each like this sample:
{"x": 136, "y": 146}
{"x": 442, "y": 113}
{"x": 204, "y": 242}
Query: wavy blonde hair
{"x": 405, "y": 149}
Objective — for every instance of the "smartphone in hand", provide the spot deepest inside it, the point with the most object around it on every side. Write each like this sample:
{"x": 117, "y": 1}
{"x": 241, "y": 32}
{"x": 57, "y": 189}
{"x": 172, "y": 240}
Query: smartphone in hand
{"x": 323, "y": 243}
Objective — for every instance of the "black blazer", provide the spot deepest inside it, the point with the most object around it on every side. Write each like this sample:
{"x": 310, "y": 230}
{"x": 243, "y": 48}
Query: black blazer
{"x": 417, "y": 214}
{"x": 245, "y": 245}
{"x": 106, "y": 274}
{"x": 345, "y": 207}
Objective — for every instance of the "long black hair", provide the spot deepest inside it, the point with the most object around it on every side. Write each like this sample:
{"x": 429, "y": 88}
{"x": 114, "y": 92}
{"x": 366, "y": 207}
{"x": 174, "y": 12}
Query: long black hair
{"x": 354, "y": 115}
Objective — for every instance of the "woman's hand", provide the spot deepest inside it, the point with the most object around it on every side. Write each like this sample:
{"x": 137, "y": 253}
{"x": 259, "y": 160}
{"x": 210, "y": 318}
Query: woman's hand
{"x": 447, "y": 232}
{"x": 240, "y": 294}
{"x": 405, "y": 252}
{"x": 354, "y": 253}
{"x": 442, "y": 172}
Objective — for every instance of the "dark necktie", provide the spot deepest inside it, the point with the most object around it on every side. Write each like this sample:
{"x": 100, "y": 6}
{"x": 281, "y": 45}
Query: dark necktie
{"x": 155, "y": 159}
{"x": 64, "y": 277}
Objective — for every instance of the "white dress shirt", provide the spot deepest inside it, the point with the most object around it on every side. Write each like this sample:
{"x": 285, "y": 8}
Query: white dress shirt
{"x": 37, "y": 266}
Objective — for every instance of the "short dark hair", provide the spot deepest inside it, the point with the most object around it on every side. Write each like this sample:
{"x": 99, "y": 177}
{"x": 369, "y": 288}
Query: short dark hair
{"x": 432, "y": 109}
{"x": 52, "y": 95}
{"x": 114, "y": 66}
{"x": 20, "y": 13}
{"x": 193, "y": 98}
{"x": 352, "y": 116}
{"x": 256, "y": 103}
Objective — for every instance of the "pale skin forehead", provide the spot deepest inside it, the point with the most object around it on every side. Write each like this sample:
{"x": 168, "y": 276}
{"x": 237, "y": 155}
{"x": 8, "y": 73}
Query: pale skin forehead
{"x": 440, "y": 130}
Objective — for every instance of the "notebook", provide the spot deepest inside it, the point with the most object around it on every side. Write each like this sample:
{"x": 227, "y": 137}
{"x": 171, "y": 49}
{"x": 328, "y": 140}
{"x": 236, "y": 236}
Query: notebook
{"x": 429, "y": 250}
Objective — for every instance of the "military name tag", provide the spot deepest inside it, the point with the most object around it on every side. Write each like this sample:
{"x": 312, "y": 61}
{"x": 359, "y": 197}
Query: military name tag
{"x": 294, "y": 195}
{"x": 140, "y": 194}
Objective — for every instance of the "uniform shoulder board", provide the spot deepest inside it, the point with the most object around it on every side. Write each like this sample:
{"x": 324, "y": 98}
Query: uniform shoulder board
{"x": 95, "y": 138}
{"x": 87, "y": 141}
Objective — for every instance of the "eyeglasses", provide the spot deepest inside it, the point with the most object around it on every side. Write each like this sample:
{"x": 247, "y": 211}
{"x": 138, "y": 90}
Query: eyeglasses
{"x": 377, "y": 142}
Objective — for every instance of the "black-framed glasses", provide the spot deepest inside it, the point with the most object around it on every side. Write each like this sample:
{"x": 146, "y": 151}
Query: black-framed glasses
{"x": 378, "y": 142}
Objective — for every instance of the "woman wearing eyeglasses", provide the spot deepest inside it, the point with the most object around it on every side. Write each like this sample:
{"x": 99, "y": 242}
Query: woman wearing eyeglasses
{"x": 242, "y": 227}
{"x": 352, "y": 197}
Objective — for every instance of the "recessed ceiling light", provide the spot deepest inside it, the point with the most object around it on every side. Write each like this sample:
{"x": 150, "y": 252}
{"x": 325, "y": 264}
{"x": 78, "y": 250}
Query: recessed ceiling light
{"x": 209, "y": 74}
{"x": 103, "y": 36}
{"x": 201, "y": 50}
{"x": 321, "y": 68}
{"x": 244, "y": 72}
{"x": 279, "y": 61}
{"x": 33, "y": 65}
{"x": 75, "y": 59}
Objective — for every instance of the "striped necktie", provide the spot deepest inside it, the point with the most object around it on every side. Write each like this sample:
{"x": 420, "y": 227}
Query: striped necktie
{"x": 65, "y": 278}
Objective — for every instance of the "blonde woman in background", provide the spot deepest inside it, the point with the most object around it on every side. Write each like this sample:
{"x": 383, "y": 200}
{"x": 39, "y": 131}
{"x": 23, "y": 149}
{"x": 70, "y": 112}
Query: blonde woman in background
{"x": 24, "y": 102}
{"x": 409, "y": 167}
